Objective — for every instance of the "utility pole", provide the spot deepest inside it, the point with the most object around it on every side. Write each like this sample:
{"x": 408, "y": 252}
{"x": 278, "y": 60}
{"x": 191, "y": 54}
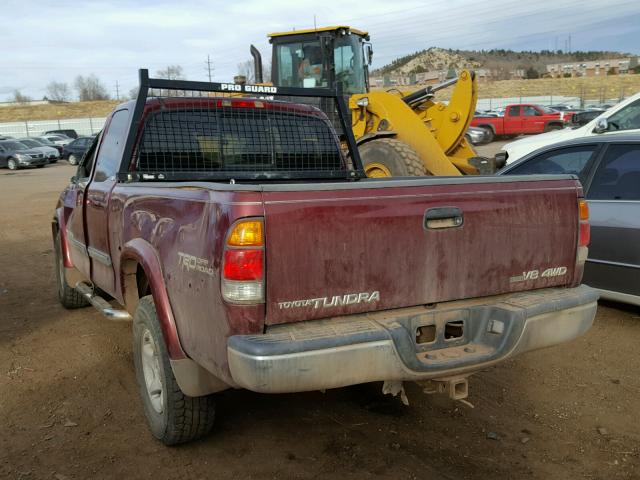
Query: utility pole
{"x": 117, "y": 91}
{"x": 209, "y": 68}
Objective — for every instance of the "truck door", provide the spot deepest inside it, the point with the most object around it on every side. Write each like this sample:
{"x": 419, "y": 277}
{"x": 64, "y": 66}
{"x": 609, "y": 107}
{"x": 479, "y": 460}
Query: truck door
{"x": 97, "y": 200}
{"x": 75, "y": 223}
{"x": 512, "y": 120}
{"x": 532, "y": 121}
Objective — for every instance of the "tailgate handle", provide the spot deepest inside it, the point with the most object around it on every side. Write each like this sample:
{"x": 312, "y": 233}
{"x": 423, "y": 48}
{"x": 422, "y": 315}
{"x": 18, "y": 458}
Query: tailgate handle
{"x": 443, "y": 217}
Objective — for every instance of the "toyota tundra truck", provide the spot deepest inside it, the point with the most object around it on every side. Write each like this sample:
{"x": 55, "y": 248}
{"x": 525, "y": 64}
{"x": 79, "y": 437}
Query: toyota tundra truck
{"x": 237, "y": 230}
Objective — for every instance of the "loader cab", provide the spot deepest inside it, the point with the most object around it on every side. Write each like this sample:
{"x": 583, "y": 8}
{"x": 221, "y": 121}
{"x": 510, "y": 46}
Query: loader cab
{"x": 321, "y": 58}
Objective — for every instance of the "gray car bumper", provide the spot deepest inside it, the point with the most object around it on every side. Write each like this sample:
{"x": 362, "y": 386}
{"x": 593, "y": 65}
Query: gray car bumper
{"x": 343, "y": 351}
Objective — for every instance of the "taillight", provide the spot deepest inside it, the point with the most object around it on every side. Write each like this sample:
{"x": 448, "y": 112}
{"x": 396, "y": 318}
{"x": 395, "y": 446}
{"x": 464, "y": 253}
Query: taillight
{"x": 243, "y": 263}
{"x": 584, "y": 233}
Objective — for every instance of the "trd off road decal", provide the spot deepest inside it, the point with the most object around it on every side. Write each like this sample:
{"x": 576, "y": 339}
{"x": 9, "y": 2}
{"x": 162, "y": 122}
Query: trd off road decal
{"x": 535, "y": 274}
{"x": 191, "y": 263}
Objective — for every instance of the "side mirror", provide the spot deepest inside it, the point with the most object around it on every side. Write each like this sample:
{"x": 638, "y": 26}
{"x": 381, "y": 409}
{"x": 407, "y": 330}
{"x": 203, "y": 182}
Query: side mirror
{"x": 369, "y": 50}
{"x": 74, "y": 179}
{"x": 602, "y": 125}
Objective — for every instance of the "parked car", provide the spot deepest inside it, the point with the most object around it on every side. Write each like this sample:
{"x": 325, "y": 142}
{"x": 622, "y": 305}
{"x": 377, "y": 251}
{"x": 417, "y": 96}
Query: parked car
{"x": 50, "y": 153}
{"x": 476, "y": 136}
{"x": 58, "y": 139}
{"x": 348, "y": 284}
{"x": 6, "y": 137}
{"x": 68, "y": 133}
{"x": 582, "y": 118}
{"x": 48, "y": 143}
{"x": 74, "y": 151}
{"x": 608, "y": 167}
{"x": 520, "y": 119}
{"x": 624, "y": 116}
{"x": 15, "y": 155}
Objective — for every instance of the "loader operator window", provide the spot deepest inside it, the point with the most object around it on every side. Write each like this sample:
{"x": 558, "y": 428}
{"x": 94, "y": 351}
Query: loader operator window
{"x": 303, "y": 64}
{"x": 349, "y": 64}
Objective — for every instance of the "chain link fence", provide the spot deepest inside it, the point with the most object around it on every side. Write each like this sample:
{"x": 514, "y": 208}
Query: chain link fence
{"x": 34, "y": 128}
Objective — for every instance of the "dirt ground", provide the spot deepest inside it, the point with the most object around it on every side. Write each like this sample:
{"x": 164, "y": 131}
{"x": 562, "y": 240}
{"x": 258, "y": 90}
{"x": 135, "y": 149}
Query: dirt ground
{"x": 69, "y": 405}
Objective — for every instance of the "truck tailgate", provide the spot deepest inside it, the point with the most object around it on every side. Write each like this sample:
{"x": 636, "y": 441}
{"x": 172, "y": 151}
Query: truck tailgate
{"x": 341, "y": 249}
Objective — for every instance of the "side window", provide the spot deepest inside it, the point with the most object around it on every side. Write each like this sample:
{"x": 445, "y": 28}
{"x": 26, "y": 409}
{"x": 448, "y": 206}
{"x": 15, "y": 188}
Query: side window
{"x": 529, "y": 111}
{"x": 571, "y": 160}
{"x": 514, "y": 111}
{"x": 86, "y": 163}
{"x": 112, "y": 145}
{"x": 626, "y": 119}
{"x": 618, "y": 175}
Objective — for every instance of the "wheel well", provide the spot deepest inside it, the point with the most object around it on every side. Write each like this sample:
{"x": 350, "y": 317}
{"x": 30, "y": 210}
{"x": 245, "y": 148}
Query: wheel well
{"x": 489, "y": 126}
{"x": 135, "y": 283}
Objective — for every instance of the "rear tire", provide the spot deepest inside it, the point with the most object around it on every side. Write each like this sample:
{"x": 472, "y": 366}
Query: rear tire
{"x": 385, "y": 157}
{"x": 68, "y": 296}
{"x": 172, "y": 416}
{"x": 73, "y": 160}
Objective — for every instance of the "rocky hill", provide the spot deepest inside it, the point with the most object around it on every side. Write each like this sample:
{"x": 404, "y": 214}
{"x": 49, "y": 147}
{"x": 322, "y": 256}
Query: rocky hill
{"x": 499, "y": 61}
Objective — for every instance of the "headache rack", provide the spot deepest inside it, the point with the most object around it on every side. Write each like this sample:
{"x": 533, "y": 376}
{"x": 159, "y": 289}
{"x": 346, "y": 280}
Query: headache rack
{"x": 182, "y": 130}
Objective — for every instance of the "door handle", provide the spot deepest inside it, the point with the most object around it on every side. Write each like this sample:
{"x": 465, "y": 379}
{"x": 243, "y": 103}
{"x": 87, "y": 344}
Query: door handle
{"x": 443, "y": 217}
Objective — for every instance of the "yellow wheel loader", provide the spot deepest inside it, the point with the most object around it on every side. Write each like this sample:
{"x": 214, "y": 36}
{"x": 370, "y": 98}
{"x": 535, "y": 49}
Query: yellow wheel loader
{"x": 398, "y": 134}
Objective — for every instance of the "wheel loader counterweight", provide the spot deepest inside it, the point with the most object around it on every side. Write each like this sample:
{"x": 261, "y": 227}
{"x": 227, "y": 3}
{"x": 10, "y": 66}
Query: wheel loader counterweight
{"x": 398, "y": 134}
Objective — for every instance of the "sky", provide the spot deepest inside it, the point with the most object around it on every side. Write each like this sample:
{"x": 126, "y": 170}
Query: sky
{"x": 43, "y": 41}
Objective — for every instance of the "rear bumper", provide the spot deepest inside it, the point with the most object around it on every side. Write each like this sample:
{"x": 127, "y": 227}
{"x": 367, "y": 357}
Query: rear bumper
{"x": 343, "y": 351}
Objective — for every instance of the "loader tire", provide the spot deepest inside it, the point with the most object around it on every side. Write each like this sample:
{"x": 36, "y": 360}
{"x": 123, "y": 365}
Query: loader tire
{"x": 389, "y": 157}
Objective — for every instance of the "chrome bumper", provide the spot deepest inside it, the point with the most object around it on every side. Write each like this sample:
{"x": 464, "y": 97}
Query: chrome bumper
{"x": 378, "y": 346}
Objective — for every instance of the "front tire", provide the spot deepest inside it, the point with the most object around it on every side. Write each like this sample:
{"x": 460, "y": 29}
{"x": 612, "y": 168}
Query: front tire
{"x": 73, "y": 160}
{"x": 39, "y": 166}
{"x": 68, "y": 296}
{"x": 389, "y": 157}
{"x": 172, "y": 416}
{"x": 489, "y": 136}
{"x": 12, "y": 164}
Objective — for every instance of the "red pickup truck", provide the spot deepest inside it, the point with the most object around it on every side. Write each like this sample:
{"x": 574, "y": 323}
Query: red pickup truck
{"x": 520, "y": 119}
{"x": 251, "y": 252}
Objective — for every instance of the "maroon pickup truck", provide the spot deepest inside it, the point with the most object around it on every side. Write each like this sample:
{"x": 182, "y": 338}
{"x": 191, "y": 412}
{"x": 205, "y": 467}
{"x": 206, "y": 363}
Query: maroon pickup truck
{"x": 251, "y": 252}
{"x": 520, "y": 119}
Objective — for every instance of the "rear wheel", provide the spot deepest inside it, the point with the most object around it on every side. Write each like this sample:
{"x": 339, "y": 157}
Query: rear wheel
{"x": 73, "y": 160}
{"x": 12, "y": 164}
{"x": 172, "y": 416}
{"x": 388, "y": 157}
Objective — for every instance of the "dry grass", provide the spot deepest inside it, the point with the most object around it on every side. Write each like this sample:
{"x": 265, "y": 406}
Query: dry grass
{"x": 591, "y": 88}
{"x": 57, "y": 111}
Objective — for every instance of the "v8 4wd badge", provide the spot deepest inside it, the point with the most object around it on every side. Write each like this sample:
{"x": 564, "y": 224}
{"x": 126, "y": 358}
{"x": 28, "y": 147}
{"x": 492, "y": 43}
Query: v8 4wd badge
{"x": 535, "y": 274}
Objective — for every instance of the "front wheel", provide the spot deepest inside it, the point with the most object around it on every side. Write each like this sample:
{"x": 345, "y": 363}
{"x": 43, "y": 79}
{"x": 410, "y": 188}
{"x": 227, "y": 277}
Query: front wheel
{"x": 172, "y": 416}
{"x": 488, "y": 134}
{"x": 73, "y": 160}
{"x": 389, "y": 157}
{"x": 68, "y": 296}
{"x": 39, "y": 166}
{"x": 12, "y": 164}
